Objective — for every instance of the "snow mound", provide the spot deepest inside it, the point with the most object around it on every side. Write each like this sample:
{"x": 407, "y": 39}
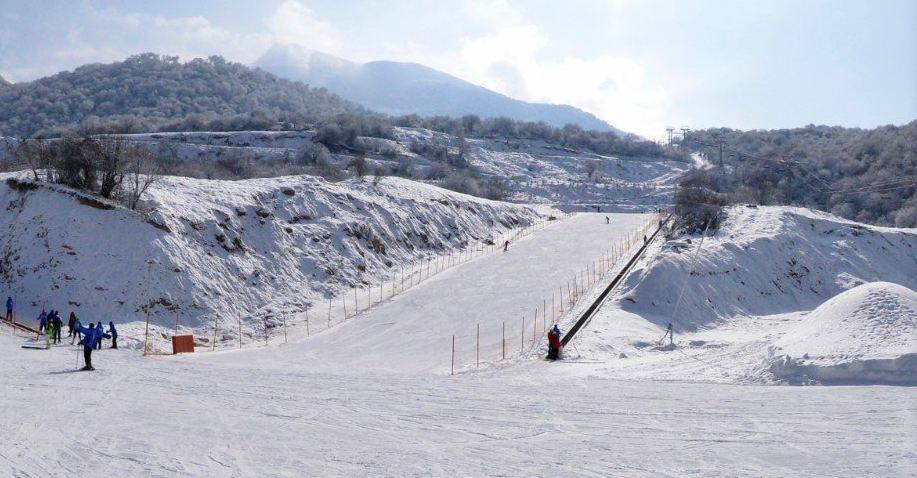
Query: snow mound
{"x": 766, "y": 261}
{"x": 874, "y": 320}
{"x": 867, "y": 334}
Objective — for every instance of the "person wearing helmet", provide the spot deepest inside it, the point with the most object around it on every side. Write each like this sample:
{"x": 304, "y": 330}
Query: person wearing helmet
{"x": 554, "y": 345}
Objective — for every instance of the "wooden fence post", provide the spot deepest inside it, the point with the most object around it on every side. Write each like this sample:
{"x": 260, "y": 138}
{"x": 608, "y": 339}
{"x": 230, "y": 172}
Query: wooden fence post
{"x": 477, "y": 353}
{"x": 213, "y": 345}
{"x": 535, "y": 325}
{"x": 503, "y": 342}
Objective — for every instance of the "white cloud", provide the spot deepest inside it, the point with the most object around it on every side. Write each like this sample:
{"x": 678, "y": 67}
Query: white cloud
{"x": 613, "y": 88}
{"x": 294, "y": 23}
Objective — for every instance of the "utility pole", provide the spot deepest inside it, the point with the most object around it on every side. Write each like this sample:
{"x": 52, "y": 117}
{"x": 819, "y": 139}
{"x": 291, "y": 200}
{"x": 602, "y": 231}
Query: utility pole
{"x": 669, "y": 131}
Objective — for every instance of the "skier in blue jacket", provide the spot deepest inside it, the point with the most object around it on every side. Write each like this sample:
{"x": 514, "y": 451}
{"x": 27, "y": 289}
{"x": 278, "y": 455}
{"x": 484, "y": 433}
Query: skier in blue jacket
{"x": 101, "y": 332}
{"x": 114, "y": 335}
{"x": 42, "y": 321}
{"x": 9, "y": 308}
{"x": 91, "y": 335}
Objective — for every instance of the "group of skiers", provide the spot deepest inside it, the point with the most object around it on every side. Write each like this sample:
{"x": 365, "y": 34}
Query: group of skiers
{"x": 50, "y": 325}
{"x": 89, "y": 337}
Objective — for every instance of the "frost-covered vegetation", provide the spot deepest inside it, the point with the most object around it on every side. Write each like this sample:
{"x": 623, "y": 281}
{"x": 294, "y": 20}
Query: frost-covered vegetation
{"x": 149, "y": 92}
{"x": 864, "y": 175}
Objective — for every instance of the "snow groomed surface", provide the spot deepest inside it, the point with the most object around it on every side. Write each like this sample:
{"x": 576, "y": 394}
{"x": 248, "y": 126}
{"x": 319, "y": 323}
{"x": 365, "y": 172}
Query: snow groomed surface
{"x": 413, "y": 332}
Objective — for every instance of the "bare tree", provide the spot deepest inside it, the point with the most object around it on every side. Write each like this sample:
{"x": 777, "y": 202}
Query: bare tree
{"x": 110, "y": 163}
{"x": 360, "y": 166}
{"x": 141, "y": 170}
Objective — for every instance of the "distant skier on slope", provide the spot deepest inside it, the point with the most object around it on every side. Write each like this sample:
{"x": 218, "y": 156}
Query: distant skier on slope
{"x": 505, "y": 245}
{"x": 9, "y": 309}
{"x": 49, "y": 331}
{"x": 554, "y": 345}
{"x": 90, "y": 337}
{"x": 101, "y": 332}
{"x": 70, "y": 323}
{"x": 76, "y": 335}
{"x": 114, "y": 335}
{"x": 42, "y": 321}
{"x": 58, "y": 325}
{"x": 607, "y": 221}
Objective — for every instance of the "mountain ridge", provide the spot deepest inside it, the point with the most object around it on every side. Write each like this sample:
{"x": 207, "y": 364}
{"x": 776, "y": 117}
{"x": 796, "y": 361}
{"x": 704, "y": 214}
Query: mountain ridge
{"x": 401, "y": 88}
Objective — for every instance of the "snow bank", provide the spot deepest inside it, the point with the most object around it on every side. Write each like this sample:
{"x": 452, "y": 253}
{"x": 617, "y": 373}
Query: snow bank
{"x": 227, "y": 247}
{"x": 767, "y": 261}
{"x": 866, "y": 334}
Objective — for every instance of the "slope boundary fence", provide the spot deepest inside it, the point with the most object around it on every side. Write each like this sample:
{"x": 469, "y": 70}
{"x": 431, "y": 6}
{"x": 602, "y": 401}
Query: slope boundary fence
{"x": 521, "y": 335}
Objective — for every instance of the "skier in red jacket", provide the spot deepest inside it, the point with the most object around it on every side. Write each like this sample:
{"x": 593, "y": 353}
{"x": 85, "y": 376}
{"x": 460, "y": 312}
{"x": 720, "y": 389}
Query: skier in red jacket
{"x": 554, "y": 345}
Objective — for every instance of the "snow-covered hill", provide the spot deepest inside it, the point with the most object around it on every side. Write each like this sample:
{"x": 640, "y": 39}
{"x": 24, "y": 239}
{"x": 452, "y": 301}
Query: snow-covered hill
{"x": 536, "y": 171}
{"x": 744, "y": 314}
{"x": 769, "y": 260}
{"x": 232, "y": 248}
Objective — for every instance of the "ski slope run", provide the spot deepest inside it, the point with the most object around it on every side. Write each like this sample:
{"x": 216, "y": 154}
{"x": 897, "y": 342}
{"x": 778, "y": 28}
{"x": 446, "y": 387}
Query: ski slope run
{"x": 413, "y": 331}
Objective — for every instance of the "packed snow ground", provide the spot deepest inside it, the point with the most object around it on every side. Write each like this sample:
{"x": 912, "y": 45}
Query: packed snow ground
{"x": 225, "y": 415}
{"x": 314, "y": 407}
{"x": 492, "y": 291}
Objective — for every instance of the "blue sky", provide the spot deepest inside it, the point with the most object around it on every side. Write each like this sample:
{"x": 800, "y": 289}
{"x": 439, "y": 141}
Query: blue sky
{"x": 640, "y": 65}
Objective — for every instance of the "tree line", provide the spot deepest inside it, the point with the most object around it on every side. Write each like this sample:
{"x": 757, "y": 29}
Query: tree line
{"x": 866, "y": 175}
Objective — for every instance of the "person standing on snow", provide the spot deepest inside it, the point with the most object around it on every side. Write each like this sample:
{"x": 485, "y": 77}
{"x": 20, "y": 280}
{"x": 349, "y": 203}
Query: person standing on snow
{"x": 90, "y": 336}
{"x": 9, "y": 309}
{"x": 101, "y": 332}
{"x": 114, "y": 335}
{"x": 607, "y": 221}
{"x": 42, "y": 321}
{"x": 505, "y": 246}
{"x": 70, "y": 323}
{"x": 554, "y": 345}
{"x": 58, "y": 325}
{"x": 76, "y": 335}
{"x": 49, "y": 331}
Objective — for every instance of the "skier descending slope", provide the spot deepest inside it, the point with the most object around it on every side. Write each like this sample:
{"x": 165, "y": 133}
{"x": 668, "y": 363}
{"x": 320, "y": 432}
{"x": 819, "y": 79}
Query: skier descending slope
{"x": 505, "y": 246}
